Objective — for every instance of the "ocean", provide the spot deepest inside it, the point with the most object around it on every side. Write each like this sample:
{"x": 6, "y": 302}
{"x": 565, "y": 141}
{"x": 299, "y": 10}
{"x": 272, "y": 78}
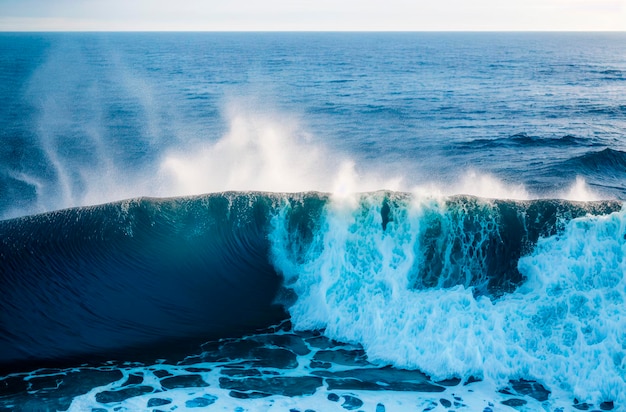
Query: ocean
{"x": 312, "y": 221}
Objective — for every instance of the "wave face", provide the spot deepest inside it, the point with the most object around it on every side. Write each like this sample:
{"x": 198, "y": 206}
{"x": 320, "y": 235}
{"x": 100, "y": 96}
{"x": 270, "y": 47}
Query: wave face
{"x": 468, "y": 288}
{"x": 107, "y": 281}
{"x": 510, "y": 289}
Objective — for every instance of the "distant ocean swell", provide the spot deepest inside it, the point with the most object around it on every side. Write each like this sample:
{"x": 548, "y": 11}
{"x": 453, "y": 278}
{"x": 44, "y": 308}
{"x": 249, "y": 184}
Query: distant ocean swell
{"x": 457, "y": 286}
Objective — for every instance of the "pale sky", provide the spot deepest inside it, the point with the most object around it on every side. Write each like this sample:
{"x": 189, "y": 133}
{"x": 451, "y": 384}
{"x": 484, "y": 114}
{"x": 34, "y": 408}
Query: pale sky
{"x": 312, "y": 15}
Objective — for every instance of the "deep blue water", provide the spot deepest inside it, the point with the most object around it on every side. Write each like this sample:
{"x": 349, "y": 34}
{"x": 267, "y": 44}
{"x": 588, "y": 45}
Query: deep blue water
{"x": 400, "y": 192}
{"x": 536, "y": 109}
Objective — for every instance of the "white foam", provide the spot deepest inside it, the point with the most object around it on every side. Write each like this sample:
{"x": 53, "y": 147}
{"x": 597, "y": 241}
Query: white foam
{"x": 563, "y": 327}
{"x": 475, "y": 396}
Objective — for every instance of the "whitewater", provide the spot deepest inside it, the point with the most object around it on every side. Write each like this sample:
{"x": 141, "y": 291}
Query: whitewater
{"x": 313, "y": 221}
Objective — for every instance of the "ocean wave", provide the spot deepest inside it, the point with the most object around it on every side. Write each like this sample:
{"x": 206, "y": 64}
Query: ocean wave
{"x": 523, "y": 140}
{"x": 405, "y": 288}
{"x": 105, "y": 282}
{"x": 607, "y": 162}
{"x": 612, "y": 74}
{"x": 399, "y": 273}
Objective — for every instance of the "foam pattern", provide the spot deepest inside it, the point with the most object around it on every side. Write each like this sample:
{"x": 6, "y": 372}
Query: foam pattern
{"x": 361, "y": 281}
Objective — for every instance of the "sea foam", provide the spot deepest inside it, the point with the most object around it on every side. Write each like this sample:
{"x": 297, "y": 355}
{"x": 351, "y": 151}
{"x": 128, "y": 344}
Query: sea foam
{"x": 358, "y": 280}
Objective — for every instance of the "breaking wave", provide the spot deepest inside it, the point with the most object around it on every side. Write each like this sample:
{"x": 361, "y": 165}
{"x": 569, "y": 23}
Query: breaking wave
{"x": 510, "y": 289}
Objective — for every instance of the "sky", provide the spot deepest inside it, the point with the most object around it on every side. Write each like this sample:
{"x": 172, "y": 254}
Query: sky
{"x": 312, "y": 15}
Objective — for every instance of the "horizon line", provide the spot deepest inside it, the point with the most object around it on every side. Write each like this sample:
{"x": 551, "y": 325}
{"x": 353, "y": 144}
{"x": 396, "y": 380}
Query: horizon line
{"x": 308, "y": 31}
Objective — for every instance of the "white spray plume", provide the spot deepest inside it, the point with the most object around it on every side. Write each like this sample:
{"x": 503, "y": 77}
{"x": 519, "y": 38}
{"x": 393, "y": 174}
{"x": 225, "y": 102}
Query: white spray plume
{"x": 579, "y": 191}
{"x": 265, "y": 152}
{"x": 474, "y": 184}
